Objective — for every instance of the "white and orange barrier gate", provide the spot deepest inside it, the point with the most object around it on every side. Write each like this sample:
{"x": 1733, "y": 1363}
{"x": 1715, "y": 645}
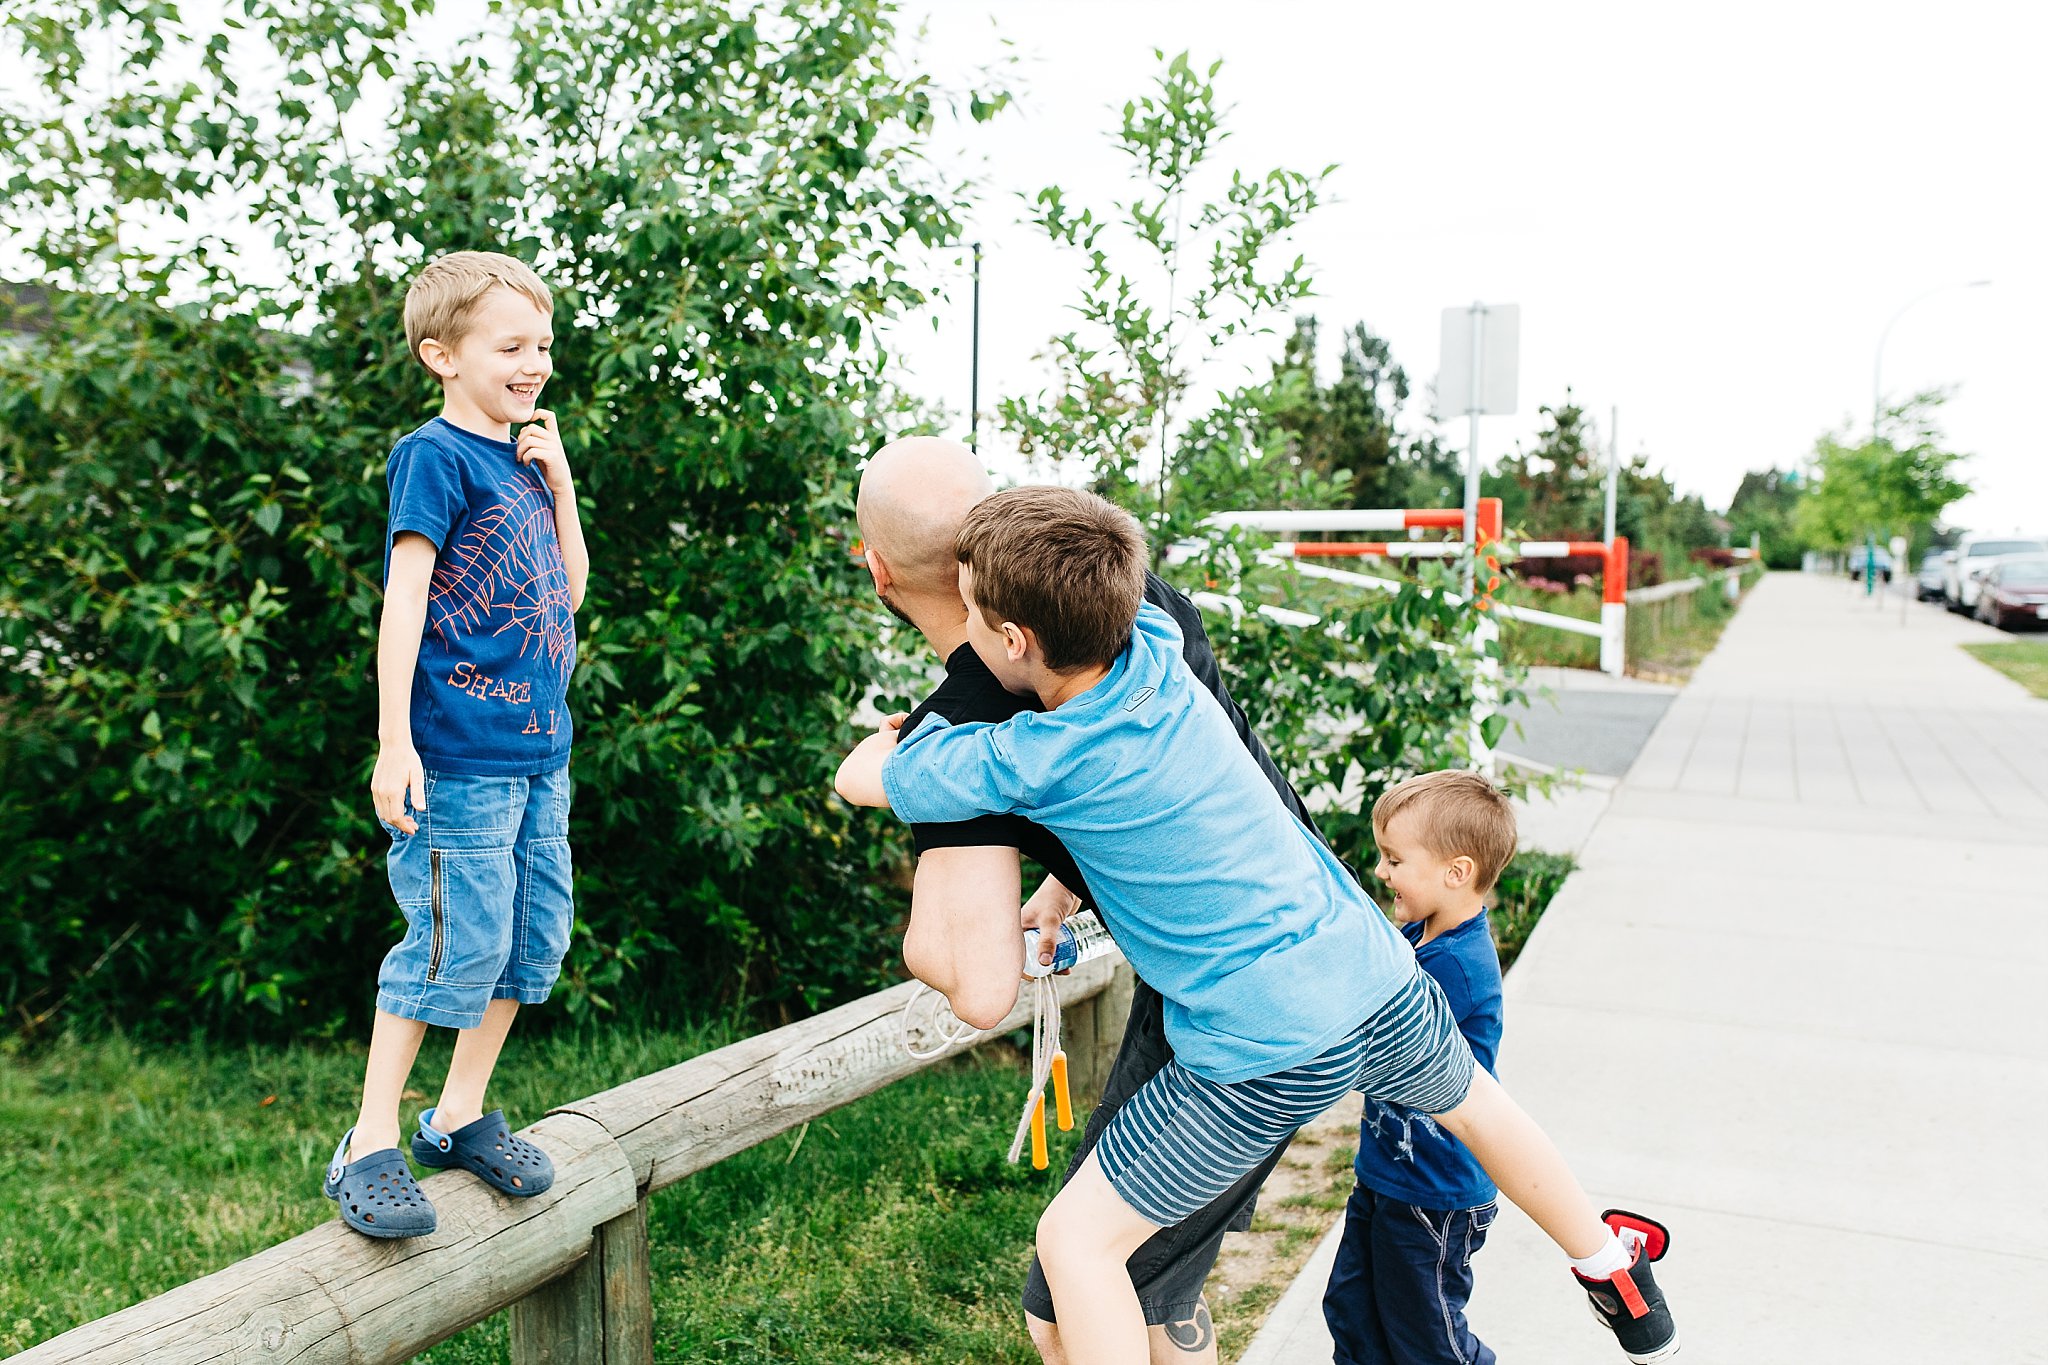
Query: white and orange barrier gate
{"x": 1611, "y": 629}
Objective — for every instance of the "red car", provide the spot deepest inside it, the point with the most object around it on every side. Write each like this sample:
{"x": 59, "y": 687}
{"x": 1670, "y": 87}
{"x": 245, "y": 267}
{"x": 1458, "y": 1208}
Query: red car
{"x": 2015, "y": 593}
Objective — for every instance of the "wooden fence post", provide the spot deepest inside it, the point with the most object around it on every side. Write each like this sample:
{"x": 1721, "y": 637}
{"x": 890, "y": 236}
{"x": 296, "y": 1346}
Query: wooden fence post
{"x": 570, "y": 1266}
{"x": 601, "y": 1312}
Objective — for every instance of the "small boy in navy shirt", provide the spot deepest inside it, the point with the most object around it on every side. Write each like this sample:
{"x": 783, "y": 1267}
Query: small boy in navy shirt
{"x": 1403, "y": 1275}
{"x": 484, "y": 568}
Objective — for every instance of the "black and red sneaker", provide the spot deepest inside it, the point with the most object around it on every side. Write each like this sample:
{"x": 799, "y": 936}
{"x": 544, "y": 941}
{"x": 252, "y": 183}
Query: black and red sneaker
{"x": 1629, "y": 1302}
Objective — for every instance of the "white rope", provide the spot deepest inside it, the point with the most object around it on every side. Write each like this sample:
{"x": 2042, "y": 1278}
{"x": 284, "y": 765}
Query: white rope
{"x": 1045, "y": 1043}
{"x": 940, "y": 1022}
{"x": 1085, "y": 937}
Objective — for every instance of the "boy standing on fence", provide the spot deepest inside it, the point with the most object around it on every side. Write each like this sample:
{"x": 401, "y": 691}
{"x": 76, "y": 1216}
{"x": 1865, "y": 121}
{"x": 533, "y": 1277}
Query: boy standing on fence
{"x": 1284, "y": 986}
{"x": 1403, "y": 1275}
{"x": 484, "y": 568}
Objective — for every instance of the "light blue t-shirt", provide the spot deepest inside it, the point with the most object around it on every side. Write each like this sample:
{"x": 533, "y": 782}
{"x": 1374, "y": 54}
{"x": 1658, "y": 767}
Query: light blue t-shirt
{"x": 1264, "y": 948}
{"x": 490, "y": 693}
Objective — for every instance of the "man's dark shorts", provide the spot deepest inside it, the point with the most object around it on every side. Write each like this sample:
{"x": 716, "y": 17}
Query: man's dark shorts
{"x": 1170, "y": 1268}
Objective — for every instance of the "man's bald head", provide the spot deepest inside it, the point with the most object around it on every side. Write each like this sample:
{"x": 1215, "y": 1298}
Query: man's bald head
{"x": 914, "y": 494}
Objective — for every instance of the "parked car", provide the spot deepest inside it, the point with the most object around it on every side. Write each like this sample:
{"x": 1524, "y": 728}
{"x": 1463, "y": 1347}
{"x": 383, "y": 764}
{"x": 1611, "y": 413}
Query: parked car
{"x": 2014, "y": 592}
{"x": 1861, "y": 555}
{"x": 1927, "y": 584}
{"x": 1973, "y": 554}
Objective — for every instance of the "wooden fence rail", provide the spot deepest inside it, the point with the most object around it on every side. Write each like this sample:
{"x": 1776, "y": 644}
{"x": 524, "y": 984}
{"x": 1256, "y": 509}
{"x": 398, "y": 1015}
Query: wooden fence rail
{"x": 570, "y": 1264}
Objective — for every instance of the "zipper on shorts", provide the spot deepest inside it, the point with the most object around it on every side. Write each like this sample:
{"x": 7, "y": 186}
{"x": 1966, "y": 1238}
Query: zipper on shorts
{"x": 434, "y": 952}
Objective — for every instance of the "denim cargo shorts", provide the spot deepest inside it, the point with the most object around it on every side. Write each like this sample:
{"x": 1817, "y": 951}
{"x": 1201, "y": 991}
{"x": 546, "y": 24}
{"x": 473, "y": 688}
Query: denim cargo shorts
{"x": 484, "y": 886}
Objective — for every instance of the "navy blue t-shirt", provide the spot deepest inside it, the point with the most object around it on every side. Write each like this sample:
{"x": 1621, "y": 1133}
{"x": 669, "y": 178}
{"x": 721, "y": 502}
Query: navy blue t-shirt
{"x": 1403, "y": 1154}
{"x": 489, "y": 696}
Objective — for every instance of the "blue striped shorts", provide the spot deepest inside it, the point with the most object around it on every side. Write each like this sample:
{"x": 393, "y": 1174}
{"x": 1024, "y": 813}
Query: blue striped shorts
{"x": 1182, "y": 1140}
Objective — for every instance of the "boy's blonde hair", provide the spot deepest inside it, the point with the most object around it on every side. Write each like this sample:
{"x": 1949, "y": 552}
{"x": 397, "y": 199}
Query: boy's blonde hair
{"x": 1064, "y": 563}
{"x": 442, "y": 300}
{"x": 1456, "y": 814}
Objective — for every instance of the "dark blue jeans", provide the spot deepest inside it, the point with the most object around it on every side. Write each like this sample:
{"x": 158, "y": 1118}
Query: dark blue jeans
{"x": 1403, "y": 1276}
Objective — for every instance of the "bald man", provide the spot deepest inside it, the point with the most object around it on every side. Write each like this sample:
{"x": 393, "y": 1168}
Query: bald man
{"x": 964, "y": 912}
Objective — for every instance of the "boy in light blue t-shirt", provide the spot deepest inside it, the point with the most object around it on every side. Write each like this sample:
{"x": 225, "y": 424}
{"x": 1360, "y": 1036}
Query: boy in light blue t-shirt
{"x": 1423, "y": 1203}
{"x": 484, "y": 568}
{"x": 1284, "y": 986}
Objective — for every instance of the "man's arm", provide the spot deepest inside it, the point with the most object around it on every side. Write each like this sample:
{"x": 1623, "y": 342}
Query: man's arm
{"x": 398, "y": 767}
{"x": 965, "y": 939}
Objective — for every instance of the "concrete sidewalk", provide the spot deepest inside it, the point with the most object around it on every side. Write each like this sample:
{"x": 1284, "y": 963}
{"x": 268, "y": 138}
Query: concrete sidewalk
{"x": 1792, "y": 1003}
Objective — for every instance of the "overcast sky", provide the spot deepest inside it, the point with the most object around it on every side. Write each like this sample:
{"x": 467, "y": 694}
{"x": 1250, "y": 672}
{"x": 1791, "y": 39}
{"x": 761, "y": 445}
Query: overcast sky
{"x": 1707, "y": 214}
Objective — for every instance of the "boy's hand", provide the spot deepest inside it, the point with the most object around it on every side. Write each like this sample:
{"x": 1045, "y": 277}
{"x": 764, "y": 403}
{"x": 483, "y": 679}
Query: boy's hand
{"x": 540, "y": 443}
{"x": 882, "y": 742}
{"x": 398, "y": 772}
{"x": 860, "y": 776}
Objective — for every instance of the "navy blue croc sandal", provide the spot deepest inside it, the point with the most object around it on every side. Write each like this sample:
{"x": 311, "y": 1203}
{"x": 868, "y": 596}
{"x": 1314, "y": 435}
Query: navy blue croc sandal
{"x": 487, "y": 1150}
{"x": 377, "y": 1194}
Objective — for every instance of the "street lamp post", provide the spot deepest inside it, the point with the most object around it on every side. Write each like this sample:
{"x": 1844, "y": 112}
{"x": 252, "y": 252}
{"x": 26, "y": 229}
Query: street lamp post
{"x": 1877, "y": 369}
{"x": 974, "y": 364}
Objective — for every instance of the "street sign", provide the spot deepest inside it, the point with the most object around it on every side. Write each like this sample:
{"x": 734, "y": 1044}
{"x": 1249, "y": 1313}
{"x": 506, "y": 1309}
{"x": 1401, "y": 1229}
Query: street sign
{"x": 1476, "y": 377}
{"x": 1481, "y": 361}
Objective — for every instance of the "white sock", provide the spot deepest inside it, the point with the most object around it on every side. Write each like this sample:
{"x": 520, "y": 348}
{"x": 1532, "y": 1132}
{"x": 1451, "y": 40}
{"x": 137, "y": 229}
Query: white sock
{"x": 1601, "y": 1265}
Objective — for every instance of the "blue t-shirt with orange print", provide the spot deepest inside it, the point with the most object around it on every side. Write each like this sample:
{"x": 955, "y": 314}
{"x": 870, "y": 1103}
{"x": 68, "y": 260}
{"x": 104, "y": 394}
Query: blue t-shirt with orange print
{"x": 490, "y": 693}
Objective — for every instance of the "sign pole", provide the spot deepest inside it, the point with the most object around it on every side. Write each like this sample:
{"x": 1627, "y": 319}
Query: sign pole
{"x": 1473, "y": 404}
{"x": 1613, "y": 467}
{"x": 1482, "y": 339}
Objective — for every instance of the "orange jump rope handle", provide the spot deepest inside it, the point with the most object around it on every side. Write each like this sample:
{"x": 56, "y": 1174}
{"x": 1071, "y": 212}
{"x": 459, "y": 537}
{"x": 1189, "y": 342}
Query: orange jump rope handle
{"x": 1039, "y": 1159}
{"x": 1063, "y": 1104}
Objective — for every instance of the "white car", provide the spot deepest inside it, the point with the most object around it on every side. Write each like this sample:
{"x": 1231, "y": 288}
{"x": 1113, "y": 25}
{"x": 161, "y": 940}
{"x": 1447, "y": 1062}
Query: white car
{"x": 1973, "y": 554}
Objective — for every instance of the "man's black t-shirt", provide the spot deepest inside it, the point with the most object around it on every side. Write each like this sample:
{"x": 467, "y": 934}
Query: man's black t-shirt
{"x": 971, "y": 693}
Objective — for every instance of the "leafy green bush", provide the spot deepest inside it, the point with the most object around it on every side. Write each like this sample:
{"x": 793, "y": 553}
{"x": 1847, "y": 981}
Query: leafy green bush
{"x": 193, "y": 494}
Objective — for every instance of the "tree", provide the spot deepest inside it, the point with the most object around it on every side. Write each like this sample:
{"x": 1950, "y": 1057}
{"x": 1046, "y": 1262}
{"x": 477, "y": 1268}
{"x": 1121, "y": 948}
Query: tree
{"x": 1897, "y": 484}
{"x": 1765, "y": 506}
{"x": 192, "y": 468}
{"x": 1375, "y": 686}
{"x": 1656, "y": 519}
{"x": 1204, "y": 273}
{"x": 1344, "y": 431}
{"x": 1556, "y": 490}
{"x": 1345, "y": 435}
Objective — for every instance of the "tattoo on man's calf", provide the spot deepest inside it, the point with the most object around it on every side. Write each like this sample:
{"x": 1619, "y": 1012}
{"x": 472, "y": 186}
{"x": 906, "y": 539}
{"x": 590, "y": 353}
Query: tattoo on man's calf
{"x": 1194, "y": 1333}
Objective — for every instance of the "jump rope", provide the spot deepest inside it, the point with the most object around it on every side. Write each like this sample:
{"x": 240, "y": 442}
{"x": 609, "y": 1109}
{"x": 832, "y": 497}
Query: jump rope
{"x": 1082, "y": 939}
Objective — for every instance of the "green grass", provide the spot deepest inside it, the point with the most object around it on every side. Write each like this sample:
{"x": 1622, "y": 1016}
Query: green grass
{"x": 893, "y": 1230}
{"x": 2024, "y": 661}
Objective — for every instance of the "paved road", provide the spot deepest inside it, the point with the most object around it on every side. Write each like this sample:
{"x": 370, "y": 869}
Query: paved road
{"x": 1793, "y": 1003}
{"x": 1575, "y": 718}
